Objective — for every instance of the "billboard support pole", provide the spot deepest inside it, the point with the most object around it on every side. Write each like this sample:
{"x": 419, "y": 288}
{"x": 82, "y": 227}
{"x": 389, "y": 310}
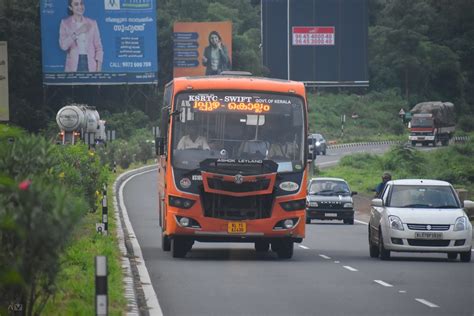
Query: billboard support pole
{"x": 288, "y": 36}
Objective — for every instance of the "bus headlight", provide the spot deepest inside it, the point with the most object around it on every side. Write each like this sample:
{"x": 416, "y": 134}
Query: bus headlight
{"x": 180, "y": 202}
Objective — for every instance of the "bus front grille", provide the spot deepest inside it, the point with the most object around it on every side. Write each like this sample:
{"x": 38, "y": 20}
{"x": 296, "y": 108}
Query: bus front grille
{"x": 237, "y": 208}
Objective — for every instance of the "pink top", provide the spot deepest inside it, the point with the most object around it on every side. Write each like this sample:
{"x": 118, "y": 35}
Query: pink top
{"x": 93, "y": 44}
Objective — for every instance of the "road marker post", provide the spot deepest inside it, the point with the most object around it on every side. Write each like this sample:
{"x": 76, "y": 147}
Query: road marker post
{"x": 101, "y": 301}
{"x": 105, "y": 220}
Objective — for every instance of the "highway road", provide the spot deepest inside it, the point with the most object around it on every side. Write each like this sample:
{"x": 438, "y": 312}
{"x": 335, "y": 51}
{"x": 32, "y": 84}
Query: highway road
{"x": 330, "y": 273}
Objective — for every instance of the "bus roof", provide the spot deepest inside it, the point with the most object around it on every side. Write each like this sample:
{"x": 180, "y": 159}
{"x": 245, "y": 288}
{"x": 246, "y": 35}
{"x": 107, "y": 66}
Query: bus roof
{"x": 226, "y": 82}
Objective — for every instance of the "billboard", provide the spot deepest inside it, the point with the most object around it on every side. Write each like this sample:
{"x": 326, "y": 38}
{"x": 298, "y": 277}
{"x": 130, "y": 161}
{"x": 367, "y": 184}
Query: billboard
{"x": 202, "y": 48}
{"x": 4, "y": 107}
{"x": 319, "y": 42}
{"x": 99, "y": 42}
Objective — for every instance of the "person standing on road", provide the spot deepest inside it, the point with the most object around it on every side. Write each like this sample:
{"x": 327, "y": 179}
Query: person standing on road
{"x": 381, "y": 186}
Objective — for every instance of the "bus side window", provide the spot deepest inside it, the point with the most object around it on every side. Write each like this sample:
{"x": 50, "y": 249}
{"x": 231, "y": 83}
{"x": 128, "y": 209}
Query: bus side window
{"x": 164, "y": 122}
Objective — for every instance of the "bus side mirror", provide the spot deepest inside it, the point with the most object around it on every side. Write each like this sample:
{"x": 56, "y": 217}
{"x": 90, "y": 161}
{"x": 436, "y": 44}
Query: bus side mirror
{"x": 160, "y": 146}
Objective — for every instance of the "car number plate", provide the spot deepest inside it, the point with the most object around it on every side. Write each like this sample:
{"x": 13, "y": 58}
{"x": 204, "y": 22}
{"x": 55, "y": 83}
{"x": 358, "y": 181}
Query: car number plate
{"x": 330, "y": 214}
{"x": 236, "y": 227}
{"x": 428, "y": 235}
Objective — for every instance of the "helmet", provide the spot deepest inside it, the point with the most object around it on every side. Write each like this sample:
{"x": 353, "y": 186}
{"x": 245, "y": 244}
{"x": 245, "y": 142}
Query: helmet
{"x": 387, "y": 176}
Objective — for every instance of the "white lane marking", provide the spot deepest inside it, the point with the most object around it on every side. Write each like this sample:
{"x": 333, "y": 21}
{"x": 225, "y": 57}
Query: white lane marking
{"x": 402, "y": 291}
{"x": 150, "y": 294}
{"x": 360, "y": 222}
{"x": 383, "y": 283}
{"x": 325, "y": 257}
{"x": 350, "y": 268}
{"x": 304, "y": 247}
{"x": 427, "y": 303}
{"x": 336, "y": 261}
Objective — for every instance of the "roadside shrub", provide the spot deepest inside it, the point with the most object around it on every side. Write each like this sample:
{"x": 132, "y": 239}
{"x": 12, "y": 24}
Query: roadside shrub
{"x": 143, "y": 140}
{"x": 81, "y": 170}
{"x": 406, "y": 160}
{"x": 36, "y": 219}
{"x": 27, "y": 156}
{"x": 124, "y": 153}
{"x": 360, "y": 161}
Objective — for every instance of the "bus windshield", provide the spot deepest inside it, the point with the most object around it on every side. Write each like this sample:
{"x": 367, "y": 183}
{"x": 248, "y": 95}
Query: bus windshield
{"x": 238, "y": 125}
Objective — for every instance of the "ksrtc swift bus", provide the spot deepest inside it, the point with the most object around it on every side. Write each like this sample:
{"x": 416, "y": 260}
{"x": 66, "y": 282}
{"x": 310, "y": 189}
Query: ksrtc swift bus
{"x": 232, "y": 163}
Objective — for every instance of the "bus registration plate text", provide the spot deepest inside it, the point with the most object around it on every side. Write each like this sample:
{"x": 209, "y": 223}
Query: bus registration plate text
{"x": 236, "y": 227}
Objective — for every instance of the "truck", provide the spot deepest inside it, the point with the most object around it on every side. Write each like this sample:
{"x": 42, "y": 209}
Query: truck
{"x": 80, "y": 121}
{"x": 432, "y": 122}
{"x": 230, "y": 184}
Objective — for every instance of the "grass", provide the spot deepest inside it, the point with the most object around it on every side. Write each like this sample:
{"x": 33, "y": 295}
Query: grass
{"x": 75, "y": 293}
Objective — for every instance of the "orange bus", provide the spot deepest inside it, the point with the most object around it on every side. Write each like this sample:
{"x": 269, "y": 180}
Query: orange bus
{"x": 232, "y": 164}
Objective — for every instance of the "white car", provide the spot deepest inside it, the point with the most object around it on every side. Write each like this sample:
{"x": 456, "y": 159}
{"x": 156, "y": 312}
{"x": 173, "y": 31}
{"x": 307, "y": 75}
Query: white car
{"x": 420, "y": 216}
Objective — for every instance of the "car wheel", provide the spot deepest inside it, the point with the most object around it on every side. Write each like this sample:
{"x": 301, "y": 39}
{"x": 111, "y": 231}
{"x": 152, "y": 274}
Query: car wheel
{"x": 452, "y": 255}
{"x": 373, "y": 249}
{"x": 324, "y": 152}
{"x": 179, "y": 247}
{"x": 285, "y": 249}
{"x": 384, "y": 253}
{"x": 466, "y": 256}
{"x": 165, "y": 242}
{"x": 349, "y": 221}
{"x": 262, "y": 246}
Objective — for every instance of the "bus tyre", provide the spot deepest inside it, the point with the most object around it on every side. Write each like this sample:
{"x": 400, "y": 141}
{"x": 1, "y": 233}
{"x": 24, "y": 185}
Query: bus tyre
{"x": 285, "y": 249}
{"x": 179, "y": 247}
{"x": 165, "y": 242}
{"x": 262, "y": 246}
{"x": 445, "y": 142}
{"x": 413, "y": 144}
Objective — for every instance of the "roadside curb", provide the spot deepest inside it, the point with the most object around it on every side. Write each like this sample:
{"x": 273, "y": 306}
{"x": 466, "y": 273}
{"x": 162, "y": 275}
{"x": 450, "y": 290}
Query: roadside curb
{"x": 132, "y": 280}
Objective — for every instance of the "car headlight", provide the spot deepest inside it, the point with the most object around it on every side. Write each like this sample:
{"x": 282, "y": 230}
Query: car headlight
{"x": 460, "y": 224}
{"x": 318, "y": 143}
{"x": 395, "y": 222}
{"x": 312, "y": 203}
{"x": 347, "y": 205}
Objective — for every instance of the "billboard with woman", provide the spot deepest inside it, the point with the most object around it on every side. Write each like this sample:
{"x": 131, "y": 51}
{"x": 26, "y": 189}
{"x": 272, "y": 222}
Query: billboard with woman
{"x": 99, "y": 41}
{"x": 202, "y": 48}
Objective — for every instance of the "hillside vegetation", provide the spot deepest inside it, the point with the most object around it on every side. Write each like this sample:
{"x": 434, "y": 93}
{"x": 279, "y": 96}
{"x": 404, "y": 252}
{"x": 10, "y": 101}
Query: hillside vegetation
{"x": 452, "y": 164}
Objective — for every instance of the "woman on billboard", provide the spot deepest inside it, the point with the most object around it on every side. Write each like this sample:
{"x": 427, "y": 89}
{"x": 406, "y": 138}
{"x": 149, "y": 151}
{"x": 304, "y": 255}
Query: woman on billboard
{"x": 80, "y": 38}
{"x": 215, "y": 57}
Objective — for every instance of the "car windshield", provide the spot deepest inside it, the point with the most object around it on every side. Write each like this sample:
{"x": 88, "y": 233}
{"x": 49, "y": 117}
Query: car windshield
{"x": 328, "y": 187}
{"x": 238, "y": 125}
{"x": 415, "y": 196}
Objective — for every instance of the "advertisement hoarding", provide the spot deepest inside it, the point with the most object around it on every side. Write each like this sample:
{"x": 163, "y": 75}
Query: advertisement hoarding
{"x": 195, "y": 51}
{"x": 318, "y": 42}
{"x": 99, "y": 42}
{"x": 4, "y": 107}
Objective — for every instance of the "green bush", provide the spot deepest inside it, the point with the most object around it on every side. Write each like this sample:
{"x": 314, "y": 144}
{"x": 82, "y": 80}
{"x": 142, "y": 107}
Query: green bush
{"x": 143, "y": 139}
{"x": 81, "y": 170}
{"x": 36, "y": 219}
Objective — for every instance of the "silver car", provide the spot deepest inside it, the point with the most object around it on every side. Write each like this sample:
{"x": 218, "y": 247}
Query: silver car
{"x": 420, "y": 216}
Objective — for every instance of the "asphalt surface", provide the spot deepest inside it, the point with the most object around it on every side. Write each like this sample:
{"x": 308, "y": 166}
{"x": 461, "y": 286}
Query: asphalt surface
{"x": 330, "y": 273}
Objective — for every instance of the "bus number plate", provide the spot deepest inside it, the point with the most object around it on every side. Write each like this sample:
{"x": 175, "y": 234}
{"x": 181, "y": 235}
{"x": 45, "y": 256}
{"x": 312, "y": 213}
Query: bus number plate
{"x": 236, "y": 227}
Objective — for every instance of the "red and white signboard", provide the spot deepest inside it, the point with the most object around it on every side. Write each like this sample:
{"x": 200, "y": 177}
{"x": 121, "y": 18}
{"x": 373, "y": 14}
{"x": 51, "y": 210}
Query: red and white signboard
{"x": 313, "y": 35}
